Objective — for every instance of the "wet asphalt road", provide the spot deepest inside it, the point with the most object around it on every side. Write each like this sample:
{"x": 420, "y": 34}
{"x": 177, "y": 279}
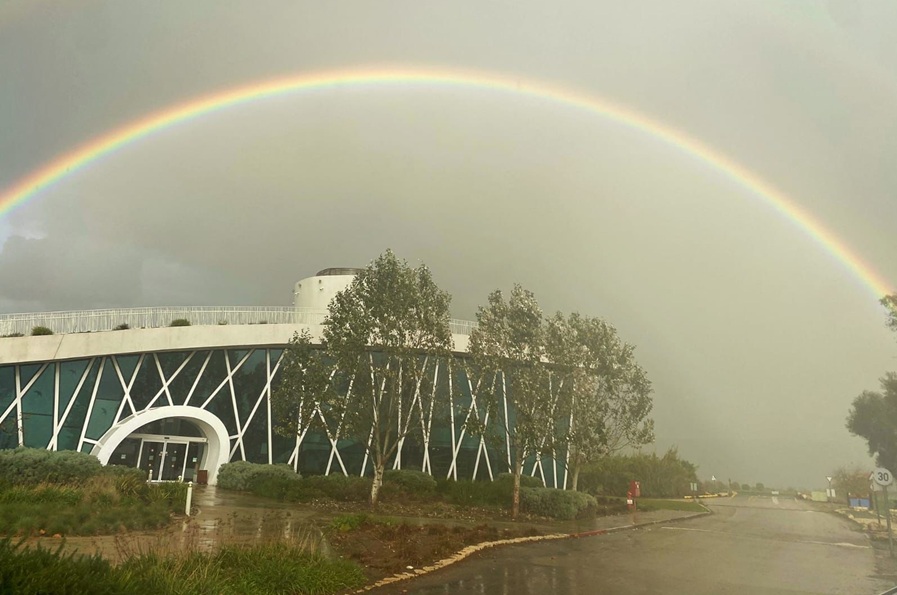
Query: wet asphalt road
{"x": 749, "y": 545}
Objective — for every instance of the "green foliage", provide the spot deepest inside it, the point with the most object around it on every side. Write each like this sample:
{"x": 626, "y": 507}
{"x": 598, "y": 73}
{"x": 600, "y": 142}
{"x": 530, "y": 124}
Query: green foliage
{"x": 512, "y": 381}
{"x": 384, "y": 332}
{"x": 180, "y": 322}
{"x": 890, "y": 303}
{"x": 873, "y": 416}
{"x": 13, "y": 335}
{"x": 70, "y": 493}
{"x": 32, "y": 466}
{"x": 105, "y": 503}
{"x": 267, "y": 568}
{"x": 305, "y": 381}
{"x": 41, "y": 330}
{"x": 348, "y": 522}
{"x": 646, "y": 504}
{"x": 37, "y": 570}
{"x": 246, "y": 476}
{"x": 410, "y": 481}
{"x": 600, "y": 383}
{"x": 483, "y": 493}
{"x": 337, "y": 487}
{"x": 557, "y": 504}
{"x": 660, "y": 477}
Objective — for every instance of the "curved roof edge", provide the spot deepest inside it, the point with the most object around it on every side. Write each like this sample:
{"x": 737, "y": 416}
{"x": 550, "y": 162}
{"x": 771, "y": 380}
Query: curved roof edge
{"x": 20, "y": 350}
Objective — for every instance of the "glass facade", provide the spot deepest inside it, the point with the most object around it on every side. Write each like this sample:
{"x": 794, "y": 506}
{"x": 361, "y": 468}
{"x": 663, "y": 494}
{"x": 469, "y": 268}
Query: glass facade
{"x": 72, "y": 404}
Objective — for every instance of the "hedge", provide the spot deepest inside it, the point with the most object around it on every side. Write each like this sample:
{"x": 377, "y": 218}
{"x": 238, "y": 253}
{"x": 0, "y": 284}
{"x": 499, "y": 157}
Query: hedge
{"x": 246, "y": 476}
{"x": 554, "y": 503}
{"x": 31, "y": 466}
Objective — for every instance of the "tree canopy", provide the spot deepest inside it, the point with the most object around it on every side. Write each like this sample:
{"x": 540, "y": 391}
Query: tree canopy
{"x": 382, "y": 335}
{"x": 603, "y": 388}
{"x": 873, "y": 416}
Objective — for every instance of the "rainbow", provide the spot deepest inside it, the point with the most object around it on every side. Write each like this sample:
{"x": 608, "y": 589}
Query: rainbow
{"x": 93, "y": 150}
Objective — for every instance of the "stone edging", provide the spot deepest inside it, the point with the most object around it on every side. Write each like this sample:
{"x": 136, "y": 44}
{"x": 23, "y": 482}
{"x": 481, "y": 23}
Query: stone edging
{"x": 472, "y": 549}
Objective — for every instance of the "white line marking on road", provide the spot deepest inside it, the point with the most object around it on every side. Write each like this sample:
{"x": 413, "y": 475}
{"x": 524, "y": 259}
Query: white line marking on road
{"x": 836, "y": 544}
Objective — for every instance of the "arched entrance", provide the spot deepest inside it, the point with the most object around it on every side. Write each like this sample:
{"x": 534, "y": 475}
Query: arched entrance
{"x": 170, "y": 442}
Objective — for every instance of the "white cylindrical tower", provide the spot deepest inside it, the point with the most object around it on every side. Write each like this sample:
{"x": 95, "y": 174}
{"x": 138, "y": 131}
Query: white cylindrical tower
{"x": 315, "y": 293}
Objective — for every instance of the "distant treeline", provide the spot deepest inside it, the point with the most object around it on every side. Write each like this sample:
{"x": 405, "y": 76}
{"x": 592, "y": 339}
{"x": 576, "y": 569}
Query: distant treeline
{"x": 659, "y": 477}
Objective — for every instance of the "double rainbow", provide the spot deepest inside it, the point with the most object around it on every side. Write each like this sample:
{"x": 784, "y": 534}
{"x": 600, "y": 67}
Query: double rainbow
{"x": 89, "y": 152}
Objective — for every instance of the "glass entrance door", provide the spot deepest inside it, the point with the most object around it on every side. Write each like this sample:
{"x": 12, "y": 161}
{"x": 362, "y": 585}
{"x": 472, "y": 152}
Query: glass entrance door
{"x": 151, "y": 456}
{"x": 173, "y": 467}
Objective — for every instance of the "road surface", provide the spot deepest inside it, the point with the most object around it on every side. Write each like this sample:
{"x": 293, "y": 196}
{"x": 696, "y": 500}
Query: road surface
{"x": 749, "y": 545}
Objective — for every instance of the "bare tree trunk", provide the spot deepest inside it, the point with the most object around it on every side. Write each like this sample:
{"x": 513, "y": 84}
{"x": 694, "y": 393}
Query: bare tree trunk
{"x": 377, "y": 483}
{"x": 515, "y": 503}
{"x": 575, "y": 482}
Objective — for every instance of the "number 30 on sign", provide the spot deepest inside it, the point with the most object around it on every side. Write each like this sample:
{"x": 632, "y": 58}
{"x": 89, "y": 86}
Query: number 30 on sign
{"x": 882, "y": 477}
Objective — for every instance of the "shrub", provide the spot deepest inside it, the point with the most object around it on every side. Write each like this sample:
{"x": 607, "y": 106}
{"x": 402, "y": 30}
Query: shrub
{"x": 554, "y": 503}
{"x": 32, "y": 466}
{"x": 40, "y": 330}
{"x": 122, "y": 327}
{"x": 410, "y": 481}
{"x": 13, "y": 335}
{"x": 484, "y": 493}
{"x": 180, "y": 322}
{"x": 222, "y": 322}
{"x": 243, "y": 475}
{"x": 336, "y": 487}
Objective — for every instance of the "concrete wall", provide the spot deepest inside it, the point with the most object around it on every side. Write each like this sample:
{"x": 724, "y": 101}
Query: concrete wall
{"x": 16, "y": 350}
{"x": 316, "y": 292}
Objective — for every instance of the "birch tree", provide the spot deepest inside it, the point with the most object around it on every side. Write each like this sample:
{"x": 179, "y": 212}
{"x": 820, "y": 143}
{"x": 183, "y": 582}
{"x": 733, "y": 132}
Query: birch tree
{"x": 386, "y": 332}
{"x": 606, "y": 393}
{"x": 305, "y": 383}
{"x": 510, "y": 380}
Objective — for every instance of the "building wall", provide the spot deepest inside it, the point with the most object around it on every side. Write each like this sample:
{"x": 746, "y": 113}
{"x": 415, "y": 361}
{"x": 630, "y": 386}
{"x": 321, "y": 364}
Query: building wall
{"x": 66, "y": 392}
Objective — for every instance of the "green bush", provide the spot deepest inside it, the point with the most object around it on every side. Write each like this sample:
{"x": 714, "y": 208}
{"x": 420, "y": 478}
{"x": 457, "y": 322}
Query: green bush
{"x": 411, "y": 482}
{"x": 336, "y": 487}
{"x": 13, "y": 335}
{"x": 32, "y": 466}
{"x": 122, "y": 327}
{"x": 484, "y": 493}
{"x": 40, "y": 330}
{"x": 554, "y": 503}
{"x": 180, "y": 322}
{"x": 243, "y": 475}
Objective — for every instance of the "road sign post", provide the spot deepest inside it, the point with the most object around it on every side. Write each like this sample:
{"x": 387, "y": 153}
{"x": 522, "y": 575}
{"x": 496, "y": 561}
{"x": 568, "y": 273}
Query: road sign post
{"x": 884, "y": 478}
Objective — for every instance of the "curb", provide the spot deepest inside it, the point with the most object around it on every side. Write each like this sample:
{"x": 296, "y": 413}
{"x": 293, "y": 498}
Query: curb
{"x": 472, "y": 549}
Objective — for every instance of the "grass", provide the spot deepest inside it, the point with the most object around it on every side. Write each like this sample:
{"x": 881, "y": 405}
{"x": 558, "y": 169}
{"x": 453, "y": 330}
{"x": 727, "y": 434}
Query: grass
{"x": 102, "y": 504}
{"x": 266, "y": 568}
{"x": 647, "y": 504}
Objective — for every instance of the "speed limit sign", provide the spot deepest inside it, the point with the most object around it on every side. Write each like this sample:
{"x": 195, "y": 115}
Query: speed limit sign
{"x": 882, "y": 477}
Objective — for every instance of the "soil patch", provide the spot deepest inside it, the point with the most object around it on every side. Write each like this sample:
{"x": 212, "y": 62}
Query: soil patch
{"x": 385, "y": 548}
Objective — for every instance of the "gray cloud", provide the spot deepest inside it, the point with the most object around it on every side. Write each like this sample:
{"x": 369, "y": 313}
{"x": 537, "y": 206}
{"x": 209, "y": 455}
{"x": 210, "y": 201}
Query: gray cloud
{"x": 755, "y": 336}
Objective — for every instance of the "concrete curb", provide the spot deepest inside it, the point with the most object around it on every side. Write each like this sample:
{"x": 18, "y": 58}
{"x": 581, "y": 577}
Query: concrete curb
{"x": 472, "y": 549}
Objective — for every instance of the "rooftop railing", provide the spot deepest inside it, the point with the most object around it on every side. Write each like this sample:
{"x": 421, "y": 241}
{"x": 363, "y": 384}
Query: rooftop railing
{"x": 91, "y": 321}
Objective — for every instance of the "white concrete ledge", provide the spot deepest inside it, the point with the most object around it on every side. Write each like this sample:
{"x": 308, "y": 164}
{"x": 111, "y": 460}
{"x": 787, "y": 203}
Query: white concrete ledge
{"x": 21, "y": 350}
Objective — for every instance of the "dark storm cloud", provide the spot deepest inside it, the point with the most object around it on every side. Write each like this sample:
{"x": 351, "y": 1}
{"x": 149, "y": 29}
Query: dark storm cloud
{"x": 55, "y": 273}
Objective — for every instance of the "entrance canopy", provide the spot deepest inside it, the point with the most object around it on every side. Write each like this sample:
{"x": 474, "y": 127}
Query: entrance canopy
{"x": 216, "y": 452}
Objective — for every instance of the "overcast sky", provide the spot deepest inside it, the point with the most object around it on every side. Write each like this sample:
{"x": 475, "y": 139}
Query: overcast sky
{"x": 756, "y": 337}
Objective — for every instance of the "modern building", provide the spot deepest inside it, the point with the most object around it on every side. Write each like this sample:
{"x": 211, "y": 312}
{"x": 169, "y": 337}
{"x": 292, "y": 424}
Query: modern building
{"x": 180, "y": 401}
